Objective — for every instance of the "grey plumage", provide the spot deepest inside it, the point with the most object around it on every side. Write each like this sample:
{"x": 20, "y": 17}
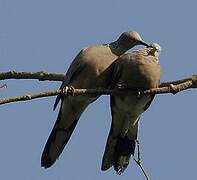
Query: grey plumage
{"x": 89, "y": 69}
{"x": 136, "y": 70}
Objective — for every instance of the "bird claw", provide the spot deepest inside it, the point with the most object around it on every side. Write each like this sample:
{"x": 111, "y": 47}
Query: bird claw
{"x": 138, "y": 93}
{"x": 194, "y": 80}
{"x": 121, "y": 86}
{"x": 173, "y": 89}
{"x": 68, "y": 91}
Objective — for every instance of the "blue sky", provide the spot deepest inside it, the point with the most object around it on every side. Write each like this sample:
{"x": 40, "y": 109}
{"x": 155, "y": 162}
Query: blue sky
{"x": 46, "y": 35}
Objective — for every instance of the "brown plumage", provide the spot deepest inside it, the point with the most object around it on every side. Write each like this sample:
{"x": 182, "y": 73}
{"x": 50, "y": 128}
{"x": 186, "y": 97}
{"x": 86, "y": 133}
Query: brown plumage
{"x": 136, "y": 70}
{"x": 88, "y": 70}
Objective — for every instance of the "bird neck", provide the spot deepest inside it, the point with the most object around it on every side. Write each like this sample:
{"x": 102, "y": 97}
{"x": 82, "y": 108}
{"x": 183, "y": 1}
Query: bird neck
{"x": 118, "y": 48}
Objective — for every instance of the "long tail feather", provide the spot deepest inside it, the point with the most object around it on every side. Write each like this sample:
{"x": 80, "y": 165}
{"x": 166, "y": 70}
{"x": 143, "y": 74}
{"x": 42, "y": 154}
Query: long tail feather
{"x": 56, "y": 142}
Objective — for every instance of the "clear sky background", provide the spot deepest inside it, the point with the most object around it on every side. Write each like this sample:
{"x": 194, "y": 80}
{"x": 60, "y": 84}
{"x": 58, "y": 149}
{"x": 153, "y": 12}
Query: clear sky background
{"x": 47, "y": 35}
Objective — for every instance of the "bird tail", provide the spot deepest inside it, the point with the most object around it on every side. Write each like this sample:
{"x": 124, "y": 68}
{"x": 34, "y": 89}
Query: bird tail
{"x": 64, "y": 126}
{"x": 123, "y": 151}
{"x": 117, "y": 153}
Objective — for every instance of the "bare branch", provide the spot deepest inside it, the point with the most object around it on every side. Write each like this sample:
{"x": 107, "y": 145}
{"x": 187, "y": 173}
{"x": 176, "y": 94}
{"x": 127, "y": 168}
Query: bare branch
{"x": 174, "y": 86}
{"x": 41, "y": 75}
{"x": 193, "y": 78}
{"x": 168, "y": 88}
{"x": 165, "y": 87}
{"x": 30, "y": 96}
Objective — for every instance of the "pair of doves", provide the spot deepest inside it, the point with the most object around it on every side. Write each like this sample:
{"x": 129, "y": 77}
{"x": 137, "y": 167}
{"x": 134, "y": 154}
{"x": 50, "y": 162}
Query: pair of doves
{"x": 107, "y": 66}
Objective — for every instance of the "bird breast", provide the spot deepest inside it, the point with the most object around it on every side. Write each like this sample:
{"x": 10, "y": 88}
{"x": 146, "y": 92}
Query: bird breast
{"x": 142, "y": 73}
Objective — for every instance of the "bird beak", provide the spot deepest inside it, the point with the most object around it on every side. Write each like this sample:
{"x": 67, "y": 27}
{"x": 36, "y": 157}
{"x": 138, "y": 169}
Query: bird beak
{"x": 144, "y": 43}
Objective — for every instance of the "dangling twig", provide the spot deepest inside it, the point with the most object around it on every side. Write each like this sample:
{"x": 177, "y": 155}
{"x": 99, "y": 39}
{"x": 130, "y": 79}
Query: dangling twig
{"x": 3, "y": 86}
{"x": 139, "y": 161}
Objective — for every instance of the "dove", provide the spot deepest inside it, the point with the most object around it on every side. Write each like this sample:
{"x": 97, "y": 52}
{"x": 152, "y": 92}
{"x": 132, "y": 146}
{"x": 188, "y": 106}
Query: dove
{"x": 138, "y": 70}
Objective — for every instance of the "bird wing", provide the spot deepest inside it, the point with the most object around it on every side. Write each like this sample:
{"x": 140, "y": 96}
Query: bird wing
{"x": 108, "y": 157}
{"x": 115, "y": 73}
{"x": 75, "y": 68}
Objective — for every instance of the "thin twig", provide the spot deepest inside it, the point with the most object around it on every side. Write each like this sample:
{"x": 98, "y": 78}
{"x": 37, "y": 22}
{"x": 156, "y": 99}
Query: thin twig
{"x": 139, "y": 161}
{"x": 40, "y": 75}
{"x": 3, "y": 86}
{"x": 29, "y": 96}
{"x": 179, "y": 81}
{"x": 174, "y": 86}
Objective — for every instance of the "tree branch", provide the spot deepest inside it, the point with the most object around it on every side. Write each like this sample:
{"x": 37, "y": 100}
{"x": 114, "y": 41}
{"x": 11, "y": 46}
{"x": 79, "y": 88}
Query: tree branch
{"x": 165, "y": 87}
{"x": 170, "y": 87}
{"x": 44, "y": 76}
{"x": 40, "y": 75}
{"x": 29, "y": 96}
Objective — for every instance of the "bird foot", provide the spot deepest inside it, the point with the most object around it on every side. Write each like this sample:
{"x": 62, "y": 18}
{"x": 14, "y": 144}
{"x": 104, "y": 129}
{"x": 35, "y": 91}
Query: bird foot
{"x": 194, "y": 80}
{"x": 139, "y": 93}
{"x": 173, "y": 89}
{"x": 68, "y": 91}
{"x": 121, "y": 86}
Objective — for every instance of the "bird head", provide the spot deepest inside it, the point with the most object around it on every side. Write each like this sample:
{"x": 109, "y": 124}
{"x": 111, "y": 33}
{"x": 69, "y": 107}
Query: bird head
{"x": 155, "y": 49}
{"x": 130, "y": 39}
